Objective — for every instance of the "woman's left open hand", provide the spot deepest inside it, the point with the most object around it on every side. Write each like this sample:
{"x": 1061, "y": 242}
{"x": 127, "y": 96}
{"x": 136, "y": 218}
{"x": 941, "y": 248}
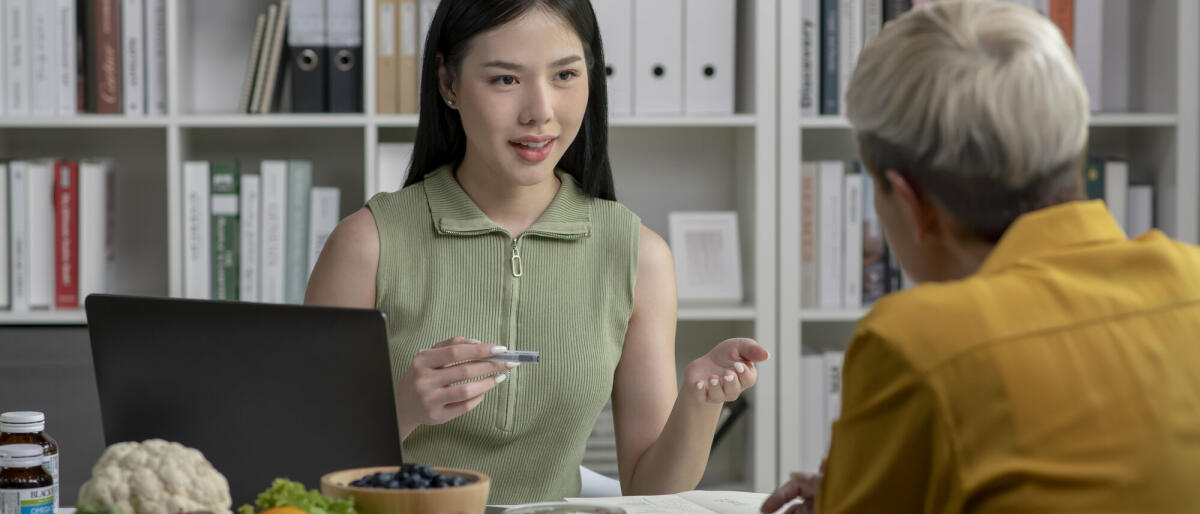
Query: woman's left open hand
{"x": 727, "y": 370}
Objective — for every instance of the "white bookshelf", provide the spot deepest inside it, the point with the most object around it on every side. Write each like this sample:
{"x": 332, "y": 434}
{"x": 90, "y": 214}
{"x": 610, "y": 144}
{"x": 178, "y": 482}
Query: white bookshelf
{"x": 661, "y": 164}
{"x": 1159, "y": 138}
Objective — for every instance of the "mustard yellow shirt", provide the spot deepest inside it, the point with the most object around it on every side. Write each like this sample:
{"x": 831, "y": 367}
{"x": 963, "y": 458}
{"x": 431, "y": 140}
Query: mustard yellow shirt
{"x": 1063, "y": 377}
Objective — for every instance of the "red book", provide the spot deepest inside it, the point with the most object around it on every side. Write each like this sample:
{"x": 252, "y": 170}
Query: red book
{"x": 1062, "y": 13}
{"x": 66, "y": 235}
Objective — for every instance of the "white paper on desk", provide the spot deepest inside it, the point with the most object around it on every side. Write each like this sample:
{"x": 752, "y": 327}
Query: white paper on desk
{"x": 691, "y": 502}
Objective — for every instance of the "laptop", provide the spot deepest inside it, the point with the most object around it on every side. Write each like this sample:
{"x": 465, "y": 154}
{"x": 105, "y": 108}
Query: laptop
{"x": 263, "y": 390}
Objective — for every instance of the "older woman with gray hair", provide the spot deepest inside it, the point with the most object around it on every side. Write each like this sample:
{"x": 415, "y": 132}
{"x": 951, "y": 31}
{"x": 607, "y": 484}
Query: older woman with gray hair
{"x": 1047, "y": 362}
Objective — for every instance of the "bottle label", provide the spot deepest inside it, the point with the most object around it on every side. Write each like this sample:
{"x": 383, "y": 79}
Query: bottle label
{"x": 51, "y": 466}
{"x": 28, "y": 501}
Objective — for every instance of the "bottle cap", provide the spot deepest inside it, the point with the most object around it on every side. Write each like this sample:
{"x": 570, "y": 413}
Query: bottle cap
{"x": 21, "y": 456}
{"x": 22, "y": 422}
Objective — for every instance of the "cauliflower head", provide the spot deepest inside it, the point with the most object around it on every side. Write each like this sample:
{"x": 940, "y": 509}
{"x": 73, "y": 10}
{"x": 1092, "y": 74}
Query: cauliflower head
{"x": 156, "y": 477}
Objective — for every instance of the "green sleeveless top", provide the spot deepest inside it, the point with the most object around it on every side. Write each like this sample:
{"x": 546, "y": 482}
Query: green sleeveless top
{"x": 563, "y": 288}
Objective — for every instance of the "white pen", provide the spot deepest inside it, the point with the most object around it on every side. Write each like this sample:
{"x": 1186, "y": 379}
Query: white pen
{"x": 516, "y": 356}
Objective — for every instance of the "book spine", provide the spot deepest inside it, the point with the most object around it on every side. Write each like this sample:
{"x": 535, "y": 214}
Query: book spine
{"x": 134, "y": 57}
{"x": 66, "y": 95}
{"x": 892, "y": 9}
{"x": 16, "y": 58}
{"x": 850, "y": 18}
{"x": 225, "y": 256}
{"x": 18, "y": 188}
{"x": 810, "y": 59}
{"x": 107, "y": 57}
{"x": 814, "y": 430}
{"x": 66, "y": 236}
{"x": 1062, "y": 13}
{"x": 274, "y": 224}
{"x": 298, "y": 197}
{"x": 874, "y": 248}
{"x": 5, "y": 292}
{"x": 829, "y": 234}
{"x": 274, "y": 58}
{"x": 40, "y": 238}
{"x": 385, "y": 78}
{"x": 156, "y": 57}
{"x": 852, "y": 254}
{"x": 1094, "y": 179}
{"x": 872, "y": 19}
{"x": 94, "y": 225}
{"x": 43, "y": 65}
{"x": 251, "y": 242}
{"x": 197, "y": 265}
{"x": 326, "y": 201}
{"x": 1116, "y": 191}
{"x": 833, "y": 386}
{"x": 830, "y": 98}
{"x": 809, "y": 278}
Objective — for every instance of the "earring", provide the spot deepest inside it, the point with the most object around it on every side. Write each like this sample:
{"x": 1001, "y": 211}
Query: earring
{"x": 450, "y": 103}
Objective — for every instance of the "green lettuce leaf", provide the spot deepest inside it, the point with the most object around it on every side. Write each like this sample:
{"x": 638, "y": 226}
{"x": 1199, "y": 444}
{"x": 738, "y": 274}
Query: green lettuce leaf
{"x": 286, "y": 493}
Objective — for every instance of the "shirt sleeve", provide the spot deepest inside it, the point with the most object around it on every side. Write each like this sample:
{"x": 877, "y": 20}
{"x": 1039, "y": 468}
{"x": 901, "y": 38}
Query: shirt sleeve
{"x": 889, "y": 451}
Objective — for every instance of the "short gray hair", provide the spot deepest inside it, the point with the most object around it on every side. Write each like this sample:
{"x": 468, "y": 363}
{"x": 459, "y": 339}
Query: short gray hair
{"x": 978, "y": 103}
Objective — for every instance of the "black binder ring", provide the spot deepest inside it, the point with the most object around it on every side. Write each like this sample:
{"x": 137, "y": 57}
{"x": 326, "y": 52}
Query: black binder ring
{"x": 308, "y": 60}
{"x": 344, "y": 60}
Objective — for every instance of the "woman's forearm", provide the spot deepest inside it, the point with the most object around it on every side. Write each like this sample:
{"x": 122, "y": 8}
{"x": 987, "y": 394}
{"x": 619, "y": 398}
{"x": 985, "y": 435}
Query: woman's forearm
{"x": 676, "y": 461}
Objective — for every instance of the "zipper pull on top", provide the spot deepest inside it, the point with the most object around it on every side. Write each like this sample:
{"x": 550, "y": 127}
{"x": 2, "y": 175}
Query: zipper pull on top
{"x": 516, "y": 259}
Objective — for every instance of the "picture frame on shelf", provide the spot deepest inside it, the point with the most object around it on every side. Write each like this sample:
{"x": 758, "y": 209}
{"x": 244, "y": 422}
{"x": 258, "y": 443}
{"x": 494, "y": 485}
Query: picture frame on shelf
{"x": 707, "y": 255}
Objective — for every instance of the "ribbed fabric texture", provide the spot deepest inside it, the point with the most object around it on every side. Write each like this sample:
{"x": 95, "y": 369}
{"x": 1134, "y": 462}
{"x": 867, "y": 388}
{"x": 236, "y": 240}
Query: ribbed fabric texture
{"x": 445, "y": 269}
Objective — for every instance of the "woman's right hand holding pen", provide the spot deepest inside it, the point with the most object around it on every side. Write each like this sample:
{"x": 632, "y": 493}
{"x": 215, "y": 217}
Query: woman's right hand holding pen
{"x": 432, "y": 391}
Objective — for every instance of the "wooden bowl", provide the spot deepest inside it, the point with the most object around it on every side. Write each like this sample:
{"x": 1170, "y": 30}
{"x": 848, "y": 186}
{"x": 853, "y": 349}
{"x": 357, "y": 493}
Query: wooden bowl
{"x": 466, "y": 499}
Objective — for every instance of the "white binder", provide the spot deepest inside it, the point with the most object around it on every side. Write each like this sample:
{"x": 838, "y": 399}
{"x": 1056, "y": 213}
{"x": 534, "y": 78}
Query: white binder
{"x": 616, "y": 19}
{"x": 658, "y": 57}
{"x": 709, "y": 56}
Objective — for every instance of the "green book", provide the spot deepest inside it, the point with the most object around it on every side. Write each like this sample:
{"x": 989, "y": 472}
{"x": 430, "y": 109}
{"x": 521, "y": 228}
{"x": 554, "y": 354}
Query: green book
{"x": 1093, "y": 179}
{"x": 225, "y": 233}
{"x": 295, "y": 270}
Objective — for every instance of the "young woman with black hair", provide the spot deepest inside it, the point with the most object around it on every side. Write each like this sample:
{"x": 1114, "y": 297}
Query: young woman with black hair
{"x": 507, "y": 232}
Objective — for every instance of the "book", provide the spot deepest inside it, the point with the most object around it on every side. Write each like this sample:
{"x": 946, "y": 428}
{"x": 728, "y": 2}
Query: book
{"x": 264, "y": 58}
{"x": 810, "y": 59}
{"x": 393, "y": 163}
{"x": 299, "y": 183}
{"x": 809, "y": 278}
{"x": 852, "y": 241}
{"x": 1093, "y": 179}
{"x": 830, "y": 73}
{"x": 814, "y": 430}
{"x": 1062, "y": 14}
{"x": 133, "y": 49}
{"x": 66, "y": 61}
{"x": 829, "y": 234}
{"x": 273, "y": 232}
{"x": 1140, "y": 218}
{"x": 250, "y": 240}
{"x": 96, "y": 231}
{"x": 833, "y": 387}
{"x": 872, "y": 20}
{"x": 156, "y": 57}
{"x": 1116, "y": 191}
{"x": 324, "y": 217}
{"x": 43, "y": 62}
{"x": 252, "y": 63}
{"x": 385, "y": 58}
{"x": 850, "y": 41}
{"x": 699, "y": 502}
{"x": 408, "y": 30}
{"x": 66, "y": 235}
{"x": 40, "y": 238}
{"x": 874, "y": 248}
{"x": 274, "y": 58}
{"x": 892, "y": 9}
{"x": 16, "y": 60}
{"x": 197, "y": 253}
{"x": 225, "y": 258}
{"x": 18, "y": 190}
{"x": 105, "y": 65}
{"x": 4, "y": 241}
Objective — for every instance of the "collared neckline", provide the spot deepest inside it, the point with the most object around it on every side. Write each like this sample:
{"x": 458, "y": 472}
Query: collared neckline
{"x": 569, "y": 215}
{"x": 1059, "y": 226}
